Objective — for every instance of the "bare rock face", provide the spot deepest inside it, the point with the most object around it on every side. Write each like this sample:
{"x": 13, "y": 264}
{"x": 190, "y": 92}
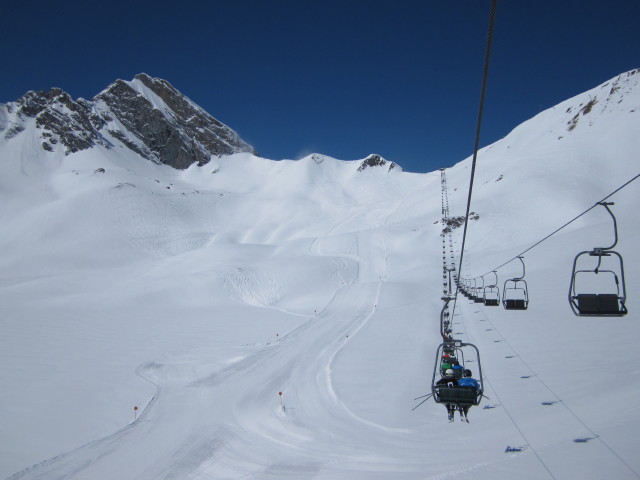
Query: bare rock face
{"x": 451, "y": 223}
{"x": 374, "y": 160}
{"x": 178, "y": 134}
{"x": 146, "y": 115}
{"x": 61, "y": 119}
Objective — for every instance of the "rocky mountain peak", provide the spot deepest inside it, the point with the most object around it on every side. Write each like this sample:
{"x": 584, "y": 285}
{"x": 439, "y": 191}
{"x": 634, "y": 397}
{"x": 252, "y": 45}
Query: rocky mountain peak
{"x": 59, "y": 118}
{"x": 374, "y": 160}
{"x": 147, "y": 115}
{"x": 169, "y": 95}
{"x": 164, "y": 125}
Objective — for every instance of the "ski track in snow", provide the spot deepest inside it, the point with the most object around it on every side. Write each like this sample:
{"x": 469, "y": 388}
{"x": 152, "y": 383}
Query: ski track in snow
{"x": 255, "y": 289}
{"x": 299, "y": 364}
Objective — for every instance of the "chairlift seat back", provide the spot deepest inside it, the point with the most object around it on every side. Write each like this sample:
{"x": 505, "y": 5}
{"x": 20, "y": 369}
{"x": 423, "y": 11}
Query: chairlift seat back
{"x": 464, "y": 396}
{"x": 515, "y": 304}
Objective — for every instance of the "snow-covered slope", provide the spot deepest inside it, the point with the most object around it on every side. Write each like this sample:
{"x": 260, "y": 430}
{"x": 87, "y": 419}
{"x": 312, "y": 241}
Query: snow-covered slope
{"x": 276, "y": 319}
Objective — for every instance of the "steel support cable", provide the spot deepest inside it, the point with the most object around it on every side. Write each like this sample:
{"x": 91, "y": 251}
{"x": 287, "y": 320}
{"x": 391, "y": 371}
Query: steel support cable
{"x": 485, "y": 75}
{"x": 566, "y": 224}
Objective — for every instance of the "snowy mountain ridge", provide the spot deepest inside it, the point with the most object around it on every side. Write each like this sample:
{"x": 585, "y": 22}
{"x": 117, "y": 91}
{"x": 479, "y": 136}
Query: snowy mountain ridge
{"x": 146, "y": 115}
{"x": 616, "y": 100}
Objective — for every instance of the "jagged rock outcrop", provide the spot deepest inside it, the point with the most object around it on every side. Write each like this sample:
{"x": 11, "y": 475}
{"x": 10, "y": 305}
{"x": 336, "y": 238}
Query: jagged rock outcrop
{"x": 60, "y": 118}
{"x": 147, "y": 115}
{"x": 179, "y": 133}
{"x": 608, "y": 94}
{"x": 451, "y": 223}
{"x": 374, "y": 160}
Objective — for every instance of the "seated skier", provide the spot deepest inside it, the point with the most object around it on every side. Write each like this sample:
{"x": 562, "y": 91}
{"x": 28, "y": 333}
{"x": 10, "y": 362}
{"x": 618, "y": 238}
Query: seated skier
{"x": 448, "y": 379}
{"x": 468, "y": 382}
{"x": 445, "y": 365}
{"x": 457, "y": 369}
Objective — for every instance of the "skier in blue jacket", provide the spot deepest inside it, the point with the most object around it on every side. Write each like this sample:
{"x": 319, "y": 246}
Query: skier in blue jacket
{"x": 469, "y": 382}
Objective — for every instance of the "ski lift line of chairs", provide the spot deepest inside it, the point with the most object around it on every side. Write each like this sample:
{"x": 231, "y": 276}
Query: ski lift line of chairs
{"x": 478, "y": 294}
{"x": 457, "y": 396}
{"x": 467, "y": 288}
{"x": 600, "y": 304}
{"x": 515, "y": 293}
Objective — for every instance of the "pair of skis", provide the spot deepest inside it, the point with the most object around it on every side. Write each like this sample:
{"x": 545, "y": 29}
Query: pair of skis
{"x": 463, "y": 417}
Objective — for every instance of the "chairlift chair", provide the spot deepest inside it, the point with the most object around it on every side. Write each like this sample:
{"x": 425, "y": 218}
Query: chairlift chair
{"x": 491, "y": 296}
{"x": 515, "y": 293}
{"x": 600, "y": 304}
{"x": 479, "y": 293}
{"x": 454, "y": 395}
{"x": 476, "y": 295}
{"x": 464, "y": 288}
{"x": 491, "y": 293}
{"x": 471, "y": 290}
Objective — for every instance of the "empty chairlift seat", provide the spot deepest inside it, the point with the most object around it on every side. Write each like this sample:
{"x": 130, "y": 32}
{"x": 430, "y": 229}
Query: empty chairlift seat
{"x": 607, "y": 276}
{"x": 515, "y": 293}
{"x": 515, "y": 304}
{"x": 599, "y": 304}
{"x": 492, "y": 293}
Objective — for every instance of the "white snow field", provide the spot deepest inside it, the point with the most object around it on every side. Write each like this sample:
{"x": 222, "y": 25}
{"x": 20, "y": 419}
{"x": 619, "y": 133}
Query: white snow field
{"x": 199, "y": 296}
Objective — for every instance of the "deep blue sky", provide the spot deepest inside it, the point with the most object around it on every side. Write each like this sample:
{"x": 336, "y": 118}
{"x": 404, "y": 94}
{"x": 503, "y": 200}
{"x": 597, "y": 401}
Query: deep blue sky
{"x": 341, "y": 77}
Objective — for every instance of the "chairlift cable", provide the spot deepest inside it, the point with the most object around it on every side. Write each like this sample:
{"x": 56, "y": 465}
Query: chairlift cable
{"x": 485, "y": 74}
{"x": 566, "y": 224}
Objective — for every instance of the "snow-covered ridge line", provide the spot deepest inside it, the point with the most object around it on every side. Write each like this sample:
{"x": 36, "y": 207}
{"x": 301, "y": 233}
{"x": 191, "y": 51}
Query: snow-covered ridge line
{"x": 146, "y": 115}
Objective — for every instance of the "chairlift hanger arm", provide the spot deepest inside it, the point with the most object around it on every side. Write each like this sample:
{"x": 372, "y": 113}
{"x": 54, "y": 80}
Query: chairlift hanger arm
{"x": 494, "y": 284}
{"x": 615, "y": 225}
{"x": 520, "y": 257}
{"x": 628, "y": 182}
